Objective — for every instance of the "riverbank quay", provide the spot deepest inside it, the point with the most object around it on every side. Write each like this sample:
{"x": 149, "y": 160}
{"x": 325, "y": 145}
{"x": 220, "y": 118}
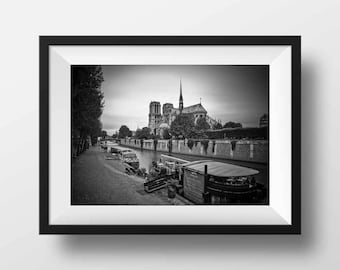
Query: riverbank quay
{"x": 99, "y": 181}
{"x": 146, "y": 157}
{"x": 241, "y": 150}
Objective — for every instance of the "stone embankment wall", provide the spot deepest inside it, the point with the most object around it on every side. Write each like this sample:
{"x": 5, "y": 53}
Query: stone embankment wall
{"x": 244, "y": 150}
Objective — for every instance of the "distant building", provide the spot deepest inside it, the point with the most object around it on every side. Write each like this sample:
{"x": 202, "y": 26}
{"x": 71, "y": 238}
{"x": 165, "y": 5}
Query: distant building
{"x": 264, "y": 121}
{"x": 160, "y": 120}
{"x": 155, "y": 116}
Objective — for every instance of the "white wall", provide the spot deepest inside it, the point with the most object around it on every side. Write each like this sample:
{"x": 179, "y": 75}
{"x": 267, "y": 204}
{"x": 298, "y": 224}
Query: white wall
{"x": 20, "y": 24}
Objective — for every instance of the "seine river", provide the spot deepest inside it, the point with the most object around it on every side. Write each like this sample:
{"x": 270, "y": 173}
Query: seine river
{"x": 147, "y": 156}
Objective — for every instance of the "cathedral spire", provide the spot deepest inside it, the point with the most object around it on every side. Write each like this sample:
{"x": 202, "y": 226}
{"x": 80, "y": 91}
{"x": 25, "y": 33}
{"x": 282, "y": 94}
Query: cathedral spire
{"x": 180, "y": 97}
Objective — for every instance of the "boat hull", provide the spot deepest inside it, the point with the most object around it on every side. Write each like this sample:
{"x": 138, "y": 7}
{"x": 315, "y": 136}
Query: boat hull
{"x": 133, "y": 164}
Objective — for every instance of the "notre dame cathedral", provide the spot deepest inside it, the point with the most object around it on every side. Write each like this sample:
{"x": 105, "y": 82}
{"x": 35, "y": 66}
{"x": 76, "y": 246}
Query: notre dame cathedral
{"x": 161, "y": 120}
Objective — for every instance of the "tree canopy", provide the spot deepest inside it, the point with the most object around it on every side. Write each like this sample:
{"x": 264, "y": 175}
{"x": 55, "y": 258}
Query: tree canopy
{"x": 166, "y": 134}
{"x": 239, "y": 133}
{"x": 124, "y": 131}
{"x": 143, "y": 133}
{"x": 218, "y": 125}
{"x": 202, "y": 124}
{"x": 87, "y": 100}
{"x": 183, "y": 126}
{"x": 231, "y": 124}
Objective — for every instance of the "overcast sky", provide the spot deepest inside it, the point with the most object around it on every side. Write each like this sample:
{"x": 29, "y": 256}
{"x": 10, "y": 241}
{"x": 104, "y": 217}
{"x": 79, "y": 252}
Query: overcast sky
{"x": 228, "y": 93}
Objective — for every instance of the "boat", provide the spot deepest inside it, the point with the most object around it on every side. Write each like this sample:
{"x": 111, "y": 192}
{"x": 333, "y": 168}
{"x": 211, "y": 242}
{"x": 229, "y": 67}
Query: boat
{"x": 130, "y": 158}
{"x": 157, "y": 183}
{"x": 164, "y": 173}
{"x": 107, "y": 145}
{"x": 171, "y": 164}
{"x": 207, "y": 181}
{"x": 126, "y": 155}
{"x": 116, "y": 149}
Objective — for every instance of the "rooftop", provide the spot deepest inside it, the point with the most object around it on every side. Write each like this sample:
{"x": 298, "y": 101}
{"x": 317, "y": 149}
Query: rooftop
{"x": 220, "y": 169}
{"x": 194, "y": 108}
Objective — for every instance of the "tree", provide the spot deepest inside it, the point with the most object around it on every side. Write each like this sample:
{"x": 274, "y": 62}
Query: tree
{"x": 154, "y": 137}
{"x": 218, "y": 125}
{"x": 87, "y": 104}
{"x": 183, "y": 126}
{"x": 232, "y": 125}
{"x": 143, "y": 133}
{"x": 103, "y": 133}
{"x": 202, "y": 124}
{"x": 166, "y": 134}
{"x": 124, "y": 131}
{"x": 191, "y": 143}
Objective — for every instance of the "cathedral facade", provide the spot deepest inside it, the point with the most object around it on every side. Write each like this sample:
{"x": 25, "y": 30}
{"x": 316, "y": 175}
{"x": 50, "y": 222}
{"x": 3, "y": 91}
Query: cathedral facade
{"x": 159, "y": 120}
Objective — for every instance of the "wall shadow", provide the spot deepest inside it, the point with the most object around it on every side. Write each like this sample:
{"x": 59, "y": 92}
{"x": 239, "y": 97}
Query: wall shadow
{"x": 233, "y": 244}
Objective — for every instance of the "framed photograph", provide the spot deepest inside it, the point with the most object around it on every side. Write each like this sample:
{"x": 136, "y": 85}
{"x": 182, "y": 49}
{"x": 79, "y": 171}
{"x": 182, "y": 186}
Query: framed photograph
{"x": 170, "y": 134}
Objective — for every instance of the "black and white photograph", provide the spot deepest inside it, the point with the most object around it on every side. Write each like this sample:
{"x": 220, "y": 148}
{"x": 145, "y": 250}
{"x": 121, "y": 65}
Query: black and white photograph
{"x": 189, "y": 135}
{"x": 170, "y": 135}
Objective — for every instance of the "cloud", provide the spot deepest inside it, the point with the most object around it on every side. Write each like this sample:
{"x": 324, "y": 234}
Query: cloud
{"x": 114, "y": 122}
{"x": 229, "y": 93}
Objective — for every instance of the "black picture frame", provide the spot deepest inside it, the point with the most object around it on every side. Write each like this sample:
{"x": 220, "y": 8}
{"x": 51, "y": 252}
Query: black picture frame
{"x": 293, "y": 41}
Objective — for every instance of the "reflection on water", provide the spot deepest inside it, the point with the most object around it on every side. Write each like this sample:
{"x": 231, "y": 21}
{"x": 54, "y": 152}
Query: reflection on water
{"x": 147, "y": 156}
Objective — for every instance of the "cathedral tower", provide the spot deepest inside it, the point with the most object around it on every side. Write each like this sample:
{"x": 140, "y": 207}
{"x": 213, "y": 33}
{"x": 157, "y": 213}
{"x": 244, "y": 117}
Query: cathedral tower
{"x": 180, "y": 97}
{"x": 155, "y": 116}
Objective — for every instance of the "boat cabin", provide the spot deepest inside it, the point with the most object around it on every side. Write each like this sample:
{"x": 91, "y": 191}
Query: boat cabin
{"x": 130, "y": 158}
{"x": 212, "y": 182}
{"x": 171, "y": 164}
{"x": 119, "y": 150}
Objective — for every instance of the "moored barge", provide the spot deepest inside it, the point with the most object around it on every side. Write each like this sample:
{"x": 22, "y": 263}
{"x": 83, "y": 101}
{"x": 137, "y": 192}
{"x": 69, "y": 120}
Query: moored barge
{"x": 211, "y": 182}
{"x": 126, "y": 155}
